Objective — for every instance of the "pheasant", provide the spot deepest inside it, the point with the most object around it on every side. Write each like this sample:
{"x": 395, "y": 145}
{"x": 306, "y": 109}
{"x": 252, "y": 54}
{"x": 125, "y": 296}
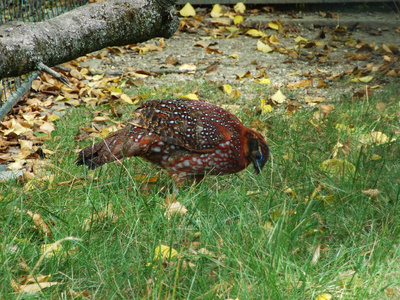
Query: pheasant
{"x": 187, "y": 138}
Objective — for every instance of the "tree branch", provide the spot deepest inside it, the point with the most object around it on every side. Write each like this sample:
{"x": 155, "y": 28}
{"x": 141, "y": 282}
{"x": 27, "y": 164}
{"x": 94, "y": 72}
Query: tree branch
{"x": 26, "y": 47}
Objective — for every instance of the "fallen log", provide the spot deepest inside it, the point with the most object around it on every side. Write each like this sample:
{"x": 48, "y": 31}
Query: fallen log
{"x": 26, "y": 47}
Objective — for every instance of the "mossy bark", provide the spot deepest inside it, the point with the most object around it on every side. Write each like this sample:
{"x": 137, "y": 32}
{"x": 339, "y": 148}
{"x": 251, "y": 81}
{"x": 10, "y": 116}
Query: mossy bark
{"x": 83, "y": 30}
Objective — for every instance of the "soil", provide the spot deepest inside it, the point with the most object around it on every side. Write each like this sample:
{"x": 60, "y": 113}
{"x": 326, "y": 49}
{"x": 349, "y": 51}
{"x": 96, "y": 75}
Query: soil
{"x": 374, "y": 28}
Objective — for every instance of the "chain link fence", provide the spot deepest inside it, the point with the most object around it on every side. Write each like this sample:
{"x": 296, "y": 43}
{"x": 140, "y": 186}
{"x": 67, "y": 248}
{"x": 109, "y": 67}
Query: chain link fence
{"x": 13, "y": 89}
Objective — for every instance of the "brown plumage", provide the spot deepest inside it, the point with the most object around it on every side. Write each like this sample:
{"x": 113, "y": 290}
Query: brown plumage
{"x": 184, "y": 137}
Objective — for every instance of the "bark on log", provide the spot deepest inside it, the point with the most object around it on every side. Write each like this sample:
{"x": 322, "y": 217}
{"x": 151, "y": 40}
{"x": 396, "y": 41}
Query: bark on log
{"x": 23, "y": 46}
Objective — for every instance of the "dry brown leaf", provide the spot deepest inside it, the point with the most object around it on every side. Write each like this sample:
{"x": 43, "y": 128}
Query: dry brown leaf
{"x": 357, "y": 56}
{"x": 372, "y": 193}
{"x": 105, "y": 213}
{"x": 40, "y": 224}
{"x": 33, "y": 287}
{"x": 145, "y": 178}
{"x": 302, "y": 83}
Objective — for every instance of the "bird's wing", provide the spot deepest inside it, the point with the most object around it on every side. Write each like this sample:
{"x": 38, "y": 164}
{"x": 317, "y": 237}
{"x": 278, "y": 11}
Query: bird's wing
{"x": 191, "y": 124}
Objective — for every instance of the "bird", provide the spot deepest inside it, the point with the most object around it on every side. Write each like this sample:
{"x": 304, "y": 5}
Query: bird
{"x": 187, "y": 138}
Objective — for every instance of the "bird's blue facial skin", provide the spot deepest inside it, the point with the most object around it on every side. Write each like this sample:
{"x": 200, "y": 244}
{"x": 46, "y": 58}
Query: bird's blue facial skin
{"x": 259, "y": 157}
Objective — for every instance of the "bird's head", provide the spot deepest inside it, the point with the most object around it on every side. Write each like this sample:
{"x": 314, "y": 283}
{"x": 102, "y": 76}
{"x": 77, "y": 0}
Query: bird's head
{"x": 257, "y": 150}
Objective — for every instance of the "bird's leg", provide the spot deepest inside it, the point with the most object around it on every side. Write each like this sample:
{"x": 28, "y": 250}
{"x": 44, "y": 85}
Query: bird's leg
{"x": 177, "y": 182}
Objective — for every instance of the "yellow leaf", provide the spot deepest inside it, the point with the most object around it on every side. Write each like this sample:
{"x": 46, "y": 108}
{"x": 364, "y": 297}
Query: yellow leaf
{"x": 266, "y": 81}
{"x": 126, "y": 98}
{"x": 234, "y": 55}
{"x": 300, "y": 39}
{"x": 239, "y": 8}
{"x": 187, "y": 11}
{"x": 52, "y": 118}
{"x": 235, "y": 94}
{"x": 324, "y": 297}
{"x": 190, "y": 96}
{"x": 375, "y": 137}
{"x": 53, "y": 249}
{"x": 97, "y": 77}
{"x": 146, "y": 178}
{"x": 278, "y": 97}
{"x": 343, "y": 128}
{"x": 273, "y": 39}
{"x": 237, "y": 19}
{"x": 338, "y": 167}
{"x": 375, "y": 157}
{"x": 216, "y": 11}
{"x": 263, "y": 47}
{"x": 265, "y": 108}
{"x": 163, "y": 252}
{"x": 115, "y": 90}
{"x": 366, "y": 78}
{"x": 250, "y": 193}
{"x": 227, "y": 89}
{"x": 274, "y": 25}
{"x": 255, "y": 33}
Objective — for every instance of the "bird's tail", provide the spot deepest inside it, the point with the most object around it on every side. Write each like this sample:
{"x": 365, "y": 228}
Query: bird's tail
{"x": 112, "y": 148}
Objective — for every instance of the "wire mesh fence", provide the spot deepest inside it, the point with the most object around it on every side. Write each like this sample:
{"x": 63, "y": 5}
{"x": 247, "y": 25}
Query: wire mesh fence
{"x": 13, "y": 89}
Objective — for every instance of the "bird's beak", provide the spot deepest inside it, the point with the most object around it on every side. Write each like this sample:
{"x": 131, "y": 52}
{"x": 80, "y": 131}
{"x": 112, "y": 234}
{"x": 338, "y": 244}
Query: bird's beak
{"x": 257, "y": 168}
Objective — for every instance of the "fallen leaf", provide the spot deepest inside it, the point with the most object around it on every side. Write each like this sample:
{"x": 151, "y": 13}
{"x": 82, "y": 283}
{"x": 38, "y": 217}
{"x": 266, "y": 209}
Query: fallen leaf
{"x": 299, "y": 39}
{"x": 234, "y": 55}
{"x": 313, "y": 100}
{"x": 324, "y": 297}
{"x": 216, "y": 11}
{"x": 235, "y": 94}
{"x": 338, "y": 167}
{"x": 51, "y": 249}
{"x": 163, "y": 253}
{"x": 239, "y": 8}
{"x": 372, "y": 193}
{"x": 302, "y": 83}
{"x": 237, "y": 19}
{"x": 375, "y": 137}
{"x": 187, "y": 67}
{"x": 255, "y": 33}
{"x": 34, "y": 287}
{"x": 105, "y": 213}
{"x": 263, "y": 47}
{"x": 40, "y": 223}
{"x": 266, "y": 81}
{"x": 187, "y": 11}
{"x": 265, "y": 108}
{"x": 274, "y": 25}
{"x": 278, "y": 97}
{"x": 227, "y": 89}
{"x": 317, "y": 253}
{"x": 145, "y": 178}
{"x": 175, "y": 208}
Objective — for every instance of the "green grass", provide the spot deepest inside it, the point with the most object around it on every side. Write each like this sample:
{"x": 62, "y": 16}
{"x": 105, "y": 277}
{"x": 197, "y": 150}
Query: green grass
{"x": 244, "y": 236}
